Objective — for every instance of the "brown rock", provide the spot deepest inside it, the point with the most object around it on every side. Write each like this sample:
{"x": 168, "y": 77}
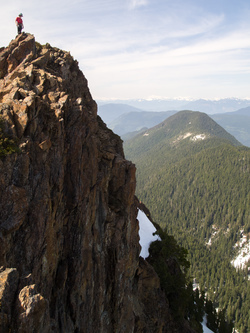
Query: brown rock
{"x": 156, "y": 312}
{"x": 43, "y": 60}
{"x": 8, "y": 285}
{"x": 33, "y": 311}
{"x": 67, "y": 211}
{"x": 13, "y": 209}
{"x": 45, "y": 145}
{"x": 25, "y": 46}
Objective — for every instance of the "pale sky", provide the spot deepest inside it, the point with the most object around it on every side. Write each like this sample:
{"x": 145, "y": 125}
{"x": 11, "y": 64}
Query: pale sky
{"x": 144, "y": 48}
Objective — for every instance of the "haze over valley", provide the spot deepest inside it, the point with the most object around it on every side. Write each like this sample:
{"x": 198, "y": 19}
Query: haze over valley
{"x": 127, "y": 119}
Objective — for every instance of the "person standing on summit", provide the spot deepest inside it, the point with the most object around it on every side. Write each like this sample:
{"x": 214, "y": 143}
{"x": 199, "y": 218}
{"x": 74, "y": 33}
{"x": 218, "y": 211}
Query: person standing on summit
{"x": 19, "y": 23}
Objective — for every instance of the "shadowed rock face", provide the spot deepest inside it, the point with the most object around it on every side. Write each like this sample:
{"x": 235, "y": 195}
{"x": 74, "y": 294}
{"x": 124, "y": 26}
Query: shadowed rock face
{"x": 69, "y": 245}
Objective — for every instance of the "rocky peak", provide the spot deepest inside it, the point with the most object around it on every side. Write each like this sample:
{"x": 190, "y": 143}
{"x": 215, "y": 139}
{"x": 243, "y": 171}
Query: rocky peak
{"x": 69, "y": 244}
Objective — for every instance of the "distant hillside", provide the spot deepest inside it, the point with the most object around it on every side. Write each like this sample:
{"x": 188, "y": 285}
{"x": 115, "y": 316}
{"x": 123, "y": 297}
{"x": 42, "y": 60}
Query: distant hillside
{"x": 237, "y": 123}
{"x": 109, "y": 112}
{"x": 127, "y": 121}
{"x": 130, "y": 135}
{"x": 217, "y": 106}
{"x": 135, "y": 121}
{"x": 243, "y": 112}
{"x": 202, "y": 105}
{"x": 149, "y": 105}
{"x": 183, "y": 129}
{"x": 194, "y": 176}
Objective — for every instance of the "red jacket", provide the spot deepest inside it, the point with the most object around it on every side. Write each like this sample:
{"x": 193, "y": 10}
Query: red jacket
{"x": 19, "y": 20}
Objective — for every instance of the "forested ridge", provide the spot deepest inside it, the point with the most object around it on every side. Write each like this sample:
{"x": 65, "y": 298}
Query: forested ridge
{"x": 199, "y": 192}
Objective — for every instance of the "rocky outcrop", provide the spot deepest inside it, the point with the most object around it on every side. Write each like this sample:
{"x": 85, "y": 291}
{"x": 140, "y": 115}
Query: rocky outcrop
{"x": 69, "y": 247}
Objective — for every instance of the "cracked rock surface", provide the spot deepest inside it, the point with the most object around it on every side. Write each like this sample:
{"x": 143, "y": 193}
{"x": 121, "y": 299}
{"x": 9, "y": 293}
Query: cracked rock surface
{"x": 69, "y": 244}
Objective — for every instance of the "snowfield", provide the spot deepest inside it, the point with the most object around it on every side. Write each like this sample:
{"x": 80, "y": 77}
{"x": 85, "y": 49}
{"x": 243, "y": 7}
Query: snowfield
{"x": 198, "y": 137}
{"x": 205, "y": 328}
{"x": 182, "y": 137}
{"x": 146, "y": 233}
{"x": 244, "y": 253}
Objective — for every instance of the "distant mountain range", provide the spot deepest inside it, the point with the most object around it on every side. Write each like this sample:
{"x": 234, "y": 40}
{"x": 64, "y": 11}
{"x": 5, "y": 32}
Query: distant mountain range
{"x": 194, "y": 176}
{"x": 135, "y": 121}
{"x": 109, "y": 112}
{"x": 236, "y": 123}
{"x": 127, "y": 121}
{"x": 202, "y": 105}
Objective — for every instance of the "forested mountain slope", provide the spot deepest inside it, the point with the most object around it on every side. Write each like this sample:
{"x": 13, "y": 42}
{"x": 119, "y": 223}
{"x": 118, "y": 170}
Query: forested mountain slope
{"x": 194, "y": 176}
{"x": 237, "y": 123}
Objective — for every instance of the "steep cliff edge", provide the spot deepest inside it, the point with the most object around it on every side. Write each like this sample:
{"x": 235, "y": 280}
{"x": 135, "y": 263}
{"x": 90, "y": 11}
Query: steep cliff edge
{"x": 69, "y": 246}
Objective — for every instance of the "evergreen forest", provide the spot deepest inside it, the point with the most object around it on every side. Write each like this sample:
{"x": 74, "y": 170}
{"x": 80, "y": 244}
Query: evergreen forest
{"x": 199, "y": 192}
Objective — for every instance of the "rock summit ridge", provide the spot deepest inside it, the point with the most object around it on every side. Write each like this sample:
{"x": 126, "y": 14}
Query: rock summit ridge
{"x": 69, "y": 244}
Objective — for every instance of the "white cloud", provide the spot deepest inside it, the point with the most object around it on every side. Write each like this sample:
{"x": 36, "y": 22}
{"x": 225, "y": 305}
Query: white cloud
{"x": 166, "y": 48}
{"x": 137, "y": 3}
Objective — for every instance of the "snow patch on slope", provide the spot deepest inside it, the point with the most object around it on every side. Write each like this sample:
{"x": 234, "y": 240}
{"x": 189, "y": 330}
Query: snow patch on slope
{"x": 146, "y": 233}
{"x": 244, "y": 252}
{"x": 199, "y": 137}
{"x": 182, "y": 137}
{"x": 204, "y": 326}
{"x": 213, "y": 235}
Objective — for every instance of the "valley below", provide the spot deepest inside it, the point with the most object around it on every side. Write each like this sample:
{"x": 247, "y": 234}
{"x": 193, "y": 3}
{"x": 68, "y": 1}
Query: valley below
{"x": 194, "y": 177}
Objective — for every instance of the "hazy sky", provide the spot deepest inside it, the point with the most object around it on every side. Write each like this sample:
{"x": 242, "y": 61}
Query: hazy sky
{"x": 145, "y": 48}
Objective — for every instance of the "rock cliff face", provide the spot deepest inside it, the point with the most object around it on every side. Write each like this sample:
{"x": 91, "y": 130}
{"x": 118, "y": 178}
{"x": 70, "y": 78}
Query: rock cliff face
{"x": 69, "y": 247}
